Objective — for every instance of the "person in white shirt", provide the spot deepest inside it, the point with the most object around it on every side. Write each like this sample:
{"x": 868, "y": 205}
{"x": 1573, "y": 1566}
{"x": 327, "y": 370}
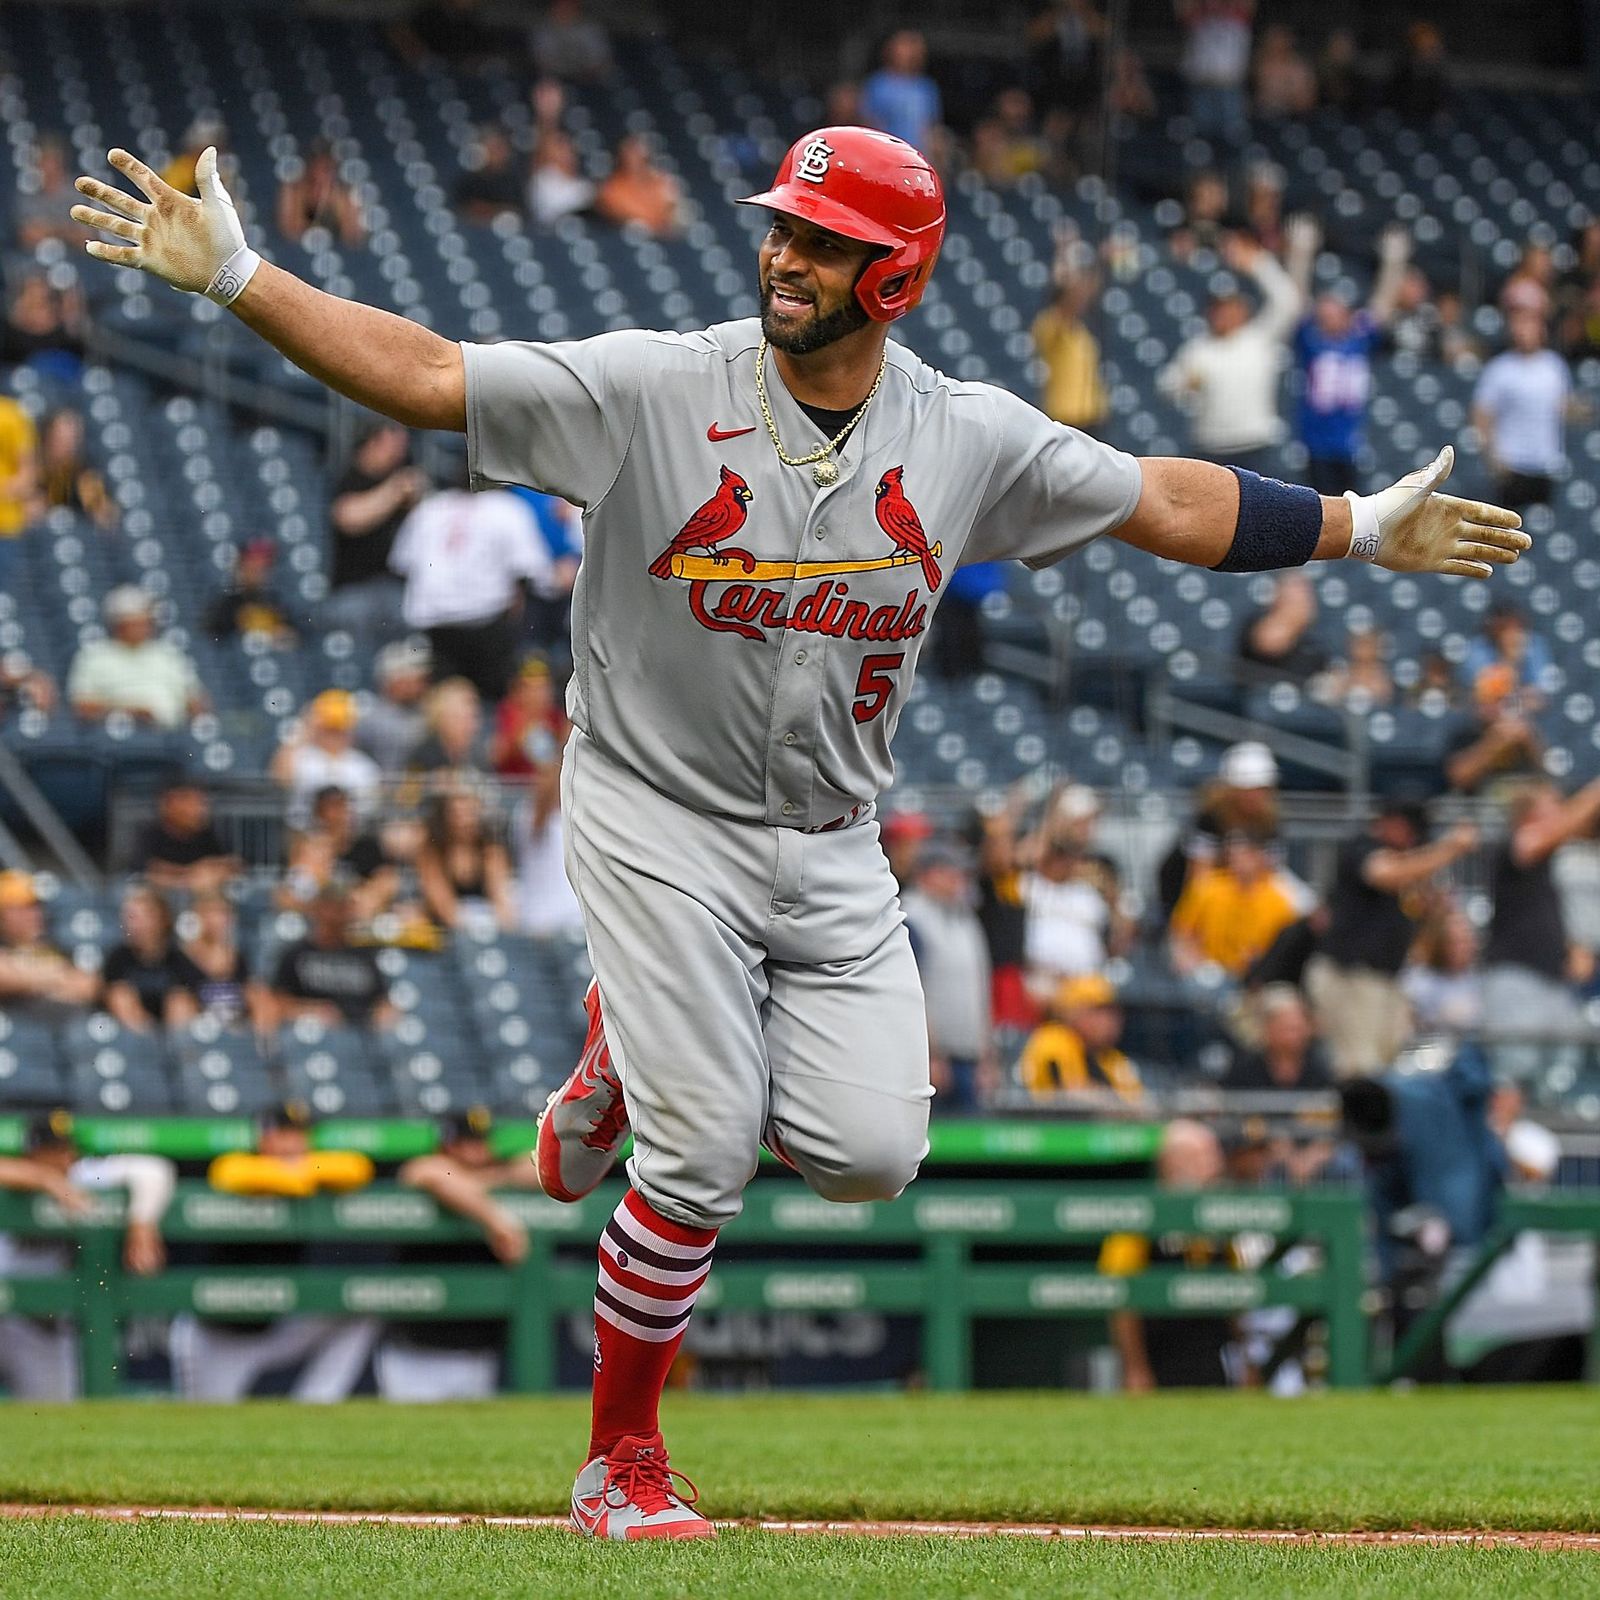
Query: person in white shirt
{"x": 321, "y": 754}
{"x": 464, "y": 558}
{"x": 556, "y": 187}
{"x": 133, "y": 671}
{"x": 1518, "y": 408}
{"x": 1227, "y": 378}
{"x": 546, "y": 906}
{"x": 39, "y": 1355}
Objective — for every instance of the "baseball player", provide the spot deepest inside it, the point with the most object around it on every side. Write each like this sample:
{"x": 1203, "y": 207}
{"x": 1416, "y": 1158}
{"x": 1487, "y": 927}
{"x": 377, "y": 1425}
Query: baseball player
{"x": 772, "y": 509}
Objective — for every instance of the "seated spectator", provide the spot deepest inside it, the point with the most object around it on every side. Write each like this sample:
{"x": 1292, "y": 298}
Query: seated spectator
{"x": 900, "y": 97}
{"x": 1417, "y": 86}
{"x": 1382, "y": 886}
{"x": 313, "y": 195}
{"x": 214, "y": 971}
{"x": 462, "y": 868}
{"x": 1279, "y": 642}
{"x": 144, "y": 975}
{"x": 393, "y": 724}
{"x": 546, "y": 906}
{"x": 1129, "y": 96}
{"x": 1436, "y": 688}
{"x": 452, "y": 746}
{"x": 19, "y": 481}
{"x": 557, "y": 187}
{"x": 640, "y": 192}
{"x": 570, "y": 46}
{"x": 1205, "y": 216}
{"x": 1173, "y": 1352}
{"x": 953, "y": 959}
{"x": 457, "y": 32}
{"x": 1244, "y": 798}
{"x": 1580, "y": 327}
{"x": 326, "y": 978}
{"x": 332, "y": 851}
{"x": 36, "y": 977}
{"x": 1289, "y": 1055}
{"x": 1519, "y": 408}
{"x": 530, "y": 724}
{"x": 41, "y": 209}
{"x": 1229, "y": 914}
{"x": 22, "y": 685}
{"x": 1263, "y": 206}
{"x": 1486, "y": 750}
{"x": 44, "y": 327}
{"x": 1075, "y": 1049}
{"x": 1360, "y": 682}
{"x": 66, "y": 479}
{"x": 1341, "y": 82}
{"x": 957, "y": 649}
{"x": 181, "y": 851}
{"x": 1531, "y": 962}
{"x": 1530, "y": 286}
{"x": 207, "y": 129}
{"x": 1443, "y": 983}
{"x": 1507, "y": 665}
{"x": 1074, "y": 392}
{"x": 1284, "y": 84}
{"x": 249, "y": 608}
{"x": 134, "y": 671}
{"x": 490, "y": 185}
{"x": 1006, "y": 145}
{"x": 320, "y": 753}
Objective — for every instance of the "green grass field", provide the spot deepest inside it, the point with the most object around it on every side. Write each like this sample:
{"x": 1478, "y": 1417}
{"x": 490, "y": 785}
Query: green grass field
{"x": 1502, "y": 1459}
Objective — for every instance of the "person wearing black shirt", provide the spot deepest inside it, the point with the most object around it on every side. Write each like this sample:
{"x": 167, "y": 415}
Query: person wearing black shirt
{"x": 325, "y": 977}
{"x": 181, "y": 851}
{"x": 1529, "y": 959}
{"x": 333, "y": 850}
{"x": 248, "y": 606}
{"x": 143, "y": 975}
{"x": 1380, "y": 892}
{"x": 492, "y": 186}
{"x": 1290, "y": 1057}
{"x": 370, "y": 501}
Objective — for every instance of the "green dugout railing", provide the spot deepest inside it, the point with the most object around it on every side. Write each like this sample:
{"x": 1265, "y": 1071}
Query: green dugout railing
{"x": 936, "y": 1228}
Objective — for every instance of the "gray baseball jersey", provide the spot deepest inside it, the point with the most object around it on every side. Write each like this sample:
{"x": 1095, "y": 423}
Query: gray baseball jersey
{"x": 743, "y": 640}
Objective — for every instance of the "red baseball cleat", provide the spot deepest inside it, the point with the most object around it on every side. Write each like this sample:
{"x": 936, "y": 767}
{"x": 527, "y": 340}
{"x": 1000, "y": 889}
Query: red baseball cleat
{"x": 629, "y": 1494}
{"x": 584, "y": 1120}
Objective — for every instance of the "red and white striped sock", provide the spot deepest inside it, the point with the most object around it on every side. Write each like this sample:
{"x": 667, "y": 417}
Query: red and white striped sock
{"x": 651, "y": 1270}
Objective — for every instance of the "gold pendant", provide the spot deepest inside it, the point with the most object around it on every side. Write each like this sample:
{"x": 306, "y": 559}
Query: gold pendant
{"x": 824, "y": 474}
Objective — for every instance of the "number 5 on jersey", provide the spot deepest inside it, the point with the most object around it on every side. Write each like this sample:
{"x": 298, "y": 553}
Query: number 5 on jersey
{"x": 874, "y": 685}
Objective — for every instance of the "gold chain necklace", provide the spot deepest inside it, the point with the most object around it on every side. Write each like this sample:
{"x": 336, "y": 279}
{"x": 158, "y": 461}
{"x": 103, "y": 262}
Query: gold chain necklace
{"x": 824, "y": 472}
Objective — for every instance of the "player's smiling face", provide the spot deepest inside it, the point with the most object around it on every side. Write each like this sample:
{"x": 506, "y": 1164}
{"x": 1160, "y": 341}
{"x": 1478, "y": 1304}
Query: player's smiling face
{"x": 808, "y": 283}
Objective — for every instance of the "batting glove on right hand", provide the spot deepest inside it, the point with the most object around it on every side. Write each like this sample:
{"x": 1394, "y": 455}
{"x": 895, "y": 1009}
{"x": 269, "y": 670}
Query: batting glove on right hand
{"x": 195, "y": 245}
{"x": 1410, "y": 527}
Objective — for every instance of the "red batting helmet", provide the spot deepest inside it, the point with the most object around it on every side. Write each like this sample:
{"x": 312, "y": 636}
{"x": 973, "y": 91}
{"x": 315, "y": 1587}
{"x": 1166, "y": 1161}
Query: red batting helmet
{"x": 873, "y": 187}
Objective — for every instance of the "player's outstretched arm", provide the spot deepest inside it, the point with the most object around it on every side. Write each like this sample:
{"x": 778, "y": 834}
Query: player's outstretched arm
{"x": 1235, "y": 521}
{"x": 373, "y": 357}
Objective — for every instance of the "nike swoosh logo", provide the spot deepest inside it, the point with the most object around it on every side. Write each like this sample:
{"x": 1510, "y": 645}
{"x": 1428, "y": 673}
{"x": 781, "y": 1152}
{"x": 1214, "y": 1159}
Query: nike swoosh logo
{"x": 716, "y": 434}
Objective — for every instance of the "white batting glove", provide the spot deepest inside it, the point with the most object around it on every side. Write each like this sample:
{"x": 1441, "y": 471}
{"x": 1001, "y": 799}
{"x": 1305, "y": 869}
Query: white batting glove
{"x": 1410, "y": 527}
{"x": 195, "y": 245}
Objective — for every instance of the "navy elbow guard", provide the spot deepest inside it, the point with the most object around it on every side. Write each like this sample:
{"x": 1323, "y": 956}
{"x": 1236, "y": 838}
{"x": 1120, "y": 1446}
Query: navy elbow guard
{"x": 1279, "y": 525}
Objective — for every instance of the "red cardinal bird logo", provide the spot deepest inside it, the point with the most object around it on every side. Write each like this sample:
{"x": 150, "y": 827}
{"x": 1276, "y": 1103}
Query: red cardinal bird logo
{"x": 719, "y": 518}
{"x": 898, "y": 518}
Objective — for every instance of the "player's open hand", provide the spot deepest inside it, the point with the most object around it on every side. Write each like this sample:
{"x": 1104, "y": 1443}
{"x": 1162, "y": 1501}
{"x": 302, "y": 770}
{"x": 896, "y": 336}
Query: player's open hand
{"x": 182, "y": 241}
{"x": 1420, "y": 530}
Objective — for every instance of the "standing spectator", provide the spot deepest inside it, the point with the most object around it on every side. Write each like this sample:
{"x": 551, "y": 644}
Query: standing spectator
{"x": 370, "y": 502}
{"x": 570, "y": 46}
{"x": 953, "y": 961}
{"x": 956, "y": 649}
{"x": 325, "y": 977}
{"x": 1074, "y": 392}
{"x": 41, "y": 207}
{"x": 393, "y": 725}
{"x": 464, "y": 558}
{"x": 1000, "y": 909}
{"x": 490, "y": 185}
{"x": 546, "y": 906}
{"x": 1382, "y": 886}
{"x": 1279, "y": 643}
{"x": 181, "y": 851}
{"x": 1065, "y": 38}
{"x": 1341, "y": 83}
{"x": 548, "y": 600}
{"x": 1529, "y": 958}
{"x": 1076, "y": 1048}
{"x": 462, "y": 867}
{"x": 1289, "y": 1057}
{"x": 1417, "y": 88}
{"x": 249, "y": 608}
{"x": 557, "y": 187}
{"x": 1129, "y": 97}
{"x": 1530, "y": 285}
{"x": 311, "y": 195}
{"x": 530, "y": 725}
{"x": 1229, "y": 914}
{"x": 1284, "y": 84}
{"x": 133, "y": 671}
{"x": 456, "y": 32}
{"x": 320, "y": 753}
{"x": 1507, "y": 667}
{"x": 1216, "y": 62}
{"x": 1244, "y": 798}
{"x": 143, "y": 975}
{"x": 1263, "y": 206}
{"x": 1205, "y": 216}
{"x": 1518, "y": 409}
{"x": 900, "y": 98}
{"x": 640, "y": 192}
{"x": 214, "y": 971}
{"x": 66, "y": 479}
{"x": 452, "y": 747}
{"x": 1333, "y": 351}
{"x": 19, "y": 481}
{"x": 36, "y": 977}
{"x": 1444, "y": 983}
{"x": 1228, "y": 376}
{"x": 1360, "y": 681}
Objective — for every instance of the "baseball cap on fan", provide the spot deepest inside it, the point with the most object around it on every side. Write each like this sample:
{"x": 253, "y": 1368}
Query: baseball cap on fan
{"x": 1249, "y": 765}
{"x": 17, "y": 890}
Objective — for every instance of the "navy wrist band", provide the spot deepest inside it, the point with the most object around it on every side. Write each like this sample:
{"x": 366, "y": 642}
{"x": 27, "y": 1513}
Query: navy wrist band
{"x": 1279, "y": 525}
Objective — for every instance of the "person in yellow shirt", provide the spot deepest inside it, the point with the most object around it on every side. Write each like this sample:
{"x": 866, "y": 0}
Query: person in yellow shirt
{"x": 1073, "y": 390}
{"x": 19, "y": 473}
{"x": 1076, "y": 1048}
{"x": 283, "y": 1162}
{"x": 1230, "y": 913}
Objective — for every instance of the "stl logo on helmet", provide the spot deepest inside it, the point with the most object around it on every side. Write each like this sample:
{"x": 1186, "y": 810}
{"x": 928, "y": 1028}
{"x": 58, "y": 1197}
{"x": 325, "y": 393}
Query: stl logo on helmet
{"x": 814, "y": 159}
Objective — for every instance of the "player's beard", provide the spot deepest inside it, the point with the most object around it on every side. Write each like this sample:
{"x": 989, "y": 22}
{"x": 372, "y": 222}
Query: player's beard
{"x": 816, "y": 333}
